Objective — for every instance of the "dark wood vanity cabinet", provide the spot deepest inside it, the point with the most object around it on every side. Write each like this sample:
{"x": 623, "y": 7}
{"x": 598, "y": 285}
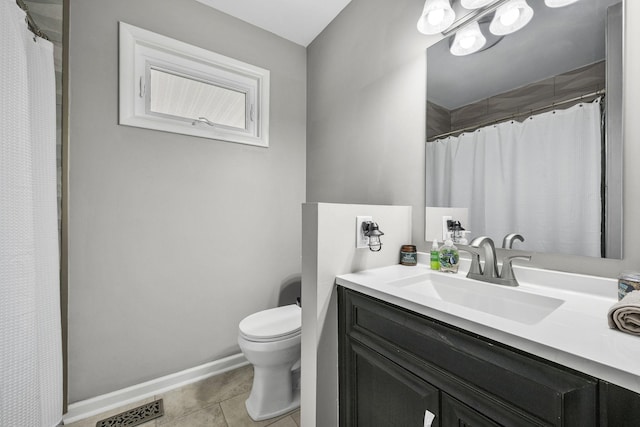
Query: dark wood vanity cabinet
{"x": 396, "y": 364}
{"x": 393, "y": 395}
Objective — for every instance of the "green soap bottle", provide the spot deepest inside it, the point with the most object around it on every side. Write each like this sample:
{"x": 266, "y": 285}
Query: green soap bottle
{"x": 435, "y": 261}
{"x": 448, "y": 257}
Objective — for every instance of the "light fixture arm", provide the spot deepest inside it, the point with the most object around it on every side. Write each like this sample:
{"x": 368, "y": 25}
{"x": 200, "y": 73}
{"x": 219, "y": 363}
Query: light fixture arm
{"x": 476, "y": 15}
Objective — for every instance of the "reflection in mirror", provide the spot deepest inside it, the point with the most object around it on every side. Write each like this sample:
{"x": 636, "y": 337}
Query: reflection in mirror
{"x": 527, "y": 134}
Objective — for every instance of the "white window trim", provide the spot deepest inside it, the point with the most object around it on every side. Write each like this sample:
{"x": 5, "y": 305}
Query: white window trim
{"x": 141, "y": 50}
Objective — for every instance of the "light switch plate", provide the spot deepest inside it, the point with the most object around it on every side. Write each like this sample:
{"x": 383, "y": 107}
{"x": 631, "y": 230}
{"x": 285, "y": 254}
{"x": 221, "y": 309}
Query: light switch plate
{"x": 362, "y": 241}
{"x": 433, "y": 220}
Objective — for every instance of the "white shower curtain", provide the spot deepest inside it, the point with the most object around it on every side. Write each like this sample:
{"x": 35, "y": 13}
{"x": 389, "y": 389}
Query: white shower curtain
{"x": 540, "y": 178}
{"x": 30, "y": 328}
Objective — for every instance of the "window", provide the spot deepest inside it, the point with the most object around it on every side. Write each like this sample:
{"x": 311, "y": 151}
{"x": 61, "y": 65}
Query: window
{"x": 172, "y": 86}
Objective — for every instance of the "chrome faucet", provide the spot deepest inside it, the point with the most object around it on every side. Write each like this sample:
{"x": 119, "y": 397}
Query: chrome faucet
{"x": 490, "y": 271}
{"x": 490, "y": 262}
{"x": 507, "y": 242}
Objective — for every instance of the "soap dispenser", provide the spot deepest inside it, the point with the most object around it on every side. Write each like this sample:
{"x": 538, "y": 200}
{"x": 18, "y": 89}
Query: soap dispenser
{"x": 448, "y": 257}
{"x": 434, "y": 255}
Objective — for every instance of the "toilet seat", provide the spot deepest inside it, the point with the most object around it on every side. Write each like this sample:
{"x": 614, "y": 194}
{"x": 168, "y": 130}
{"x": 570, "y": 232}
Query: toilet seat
{"x": 272, "y": 325}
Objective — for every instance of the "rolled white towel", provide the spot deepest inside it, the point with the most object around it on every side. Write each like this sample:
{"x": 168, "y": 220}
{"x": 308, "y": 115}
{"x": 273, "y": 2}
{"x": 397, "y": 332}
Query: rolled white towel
{"x": 625, "y": 314}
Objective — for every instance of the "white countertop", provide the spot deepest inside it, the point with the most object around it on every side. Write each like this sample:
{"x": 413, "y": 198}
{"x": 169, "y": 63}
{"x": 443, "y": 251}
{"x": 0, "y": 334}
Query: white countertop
{"x": 575, "y": 334}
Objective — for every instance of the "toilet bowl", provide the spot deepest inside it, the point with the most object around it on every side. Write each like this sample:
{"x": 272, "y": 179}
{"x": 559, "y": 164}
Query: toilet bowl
{"x": 270, "y": 341}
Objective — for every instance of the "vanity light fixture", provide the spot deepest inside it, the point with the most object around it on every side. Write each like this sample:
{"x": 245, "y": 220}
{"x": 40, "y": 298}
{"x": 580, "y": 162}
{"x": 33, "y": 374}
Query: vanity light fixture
{"x": 510, "y": 17}
{"x": 559, "y": 3}
{"x": 370, "y": 229}
{"x": 436, "y": 17}
{"x": 505, "y": 16}
{"x": 468, "y": 40}
{"x": 475, "y": 4}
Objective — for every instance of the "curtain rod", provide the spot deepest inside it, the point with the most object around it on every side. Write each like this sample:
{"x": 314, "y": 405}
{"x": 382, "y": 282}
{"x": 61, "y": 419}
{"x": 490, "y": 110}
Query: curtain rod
{"x": 31, "y": 23}
{"x": 513, "y": 116}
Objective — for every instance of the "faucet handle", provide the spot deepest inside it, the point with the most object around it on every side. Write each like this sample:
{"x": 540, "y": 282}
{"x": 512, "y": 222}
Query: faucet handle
{"x": 475, "y": 260}
{"x": 507, "y": 268}
{"x": 507, "y": 242}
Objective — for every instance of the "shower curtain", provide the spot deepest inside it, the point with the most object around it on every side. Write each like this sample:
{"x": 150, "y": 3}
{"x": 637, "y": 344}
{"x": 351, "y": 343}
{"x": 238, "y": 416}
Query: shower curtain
{"x": 30, "y": 329}
{"x": 540, "y": 178}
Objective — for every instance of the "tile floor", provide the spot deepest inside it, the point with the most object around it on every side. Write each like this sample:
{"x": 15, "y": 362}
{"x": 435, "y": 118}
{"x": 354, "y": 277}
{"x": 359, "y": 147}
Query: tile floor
{"x": 215, "y": 402}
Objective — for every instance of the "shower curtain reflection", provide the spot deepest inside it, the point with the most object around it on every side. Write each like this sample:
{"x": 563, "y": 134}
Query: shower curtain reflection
{"x": 540, "y": 178}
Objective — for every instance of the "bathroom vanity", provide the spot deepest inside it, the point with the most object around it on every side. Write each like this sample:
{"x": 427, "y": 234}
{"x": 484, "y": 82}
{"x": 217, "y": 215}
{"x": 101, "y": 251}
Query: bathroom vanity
{"x": 409, "y": 349}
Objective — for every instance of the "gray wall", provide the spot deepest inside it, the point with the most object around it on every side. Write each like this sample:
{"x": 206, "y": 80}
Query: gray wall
{"x": 366, "y": 92}
{"x": 173, "y": 239}
{"x": 366, "y": 121}
{"x": 328, "y": 250}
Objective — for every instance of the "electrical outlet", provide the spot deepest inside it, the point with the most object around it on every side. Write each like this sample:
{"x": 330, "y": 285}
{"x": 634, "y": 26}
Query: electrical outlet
{"x": 445, "y": 228}
{"x": 362, "y": 241}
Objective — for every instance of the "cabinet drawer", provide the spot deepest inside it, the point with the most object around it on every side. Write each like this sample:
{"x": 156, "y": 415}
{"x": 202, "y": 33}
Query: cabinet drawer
{"x": 469, "y": 367}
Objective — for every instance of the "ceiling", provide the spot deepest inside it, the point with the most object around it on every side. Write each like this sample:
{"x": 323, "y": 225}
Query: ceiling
{"x": 299, "y": 21}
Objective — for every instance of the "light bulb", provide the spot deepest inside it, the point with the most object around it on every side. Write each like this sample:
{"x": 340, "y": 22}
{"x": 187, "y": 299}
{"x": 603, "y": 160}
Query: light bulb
{"x": 375, "y": 244}
{"x": 559, "y": 3}
{"x": 467, "y": 41}
{"x": 435, "y": 17}
{"x": 475, "y": 4}
{"x": 509, "y": 17}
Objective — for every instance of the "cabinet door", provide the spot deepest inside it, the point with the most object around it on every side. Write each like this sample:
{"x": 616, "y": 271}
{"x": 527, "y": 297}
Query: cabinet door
{"x": 385, "y": 395}
{"x": 619, "y": 407}
{"x": 458, "y": 414}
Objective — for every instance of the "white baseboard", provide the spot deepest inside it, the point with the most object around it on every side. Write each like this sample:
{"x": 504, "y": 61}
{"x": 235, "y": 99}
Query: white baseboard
{"x": 106, "y": 402}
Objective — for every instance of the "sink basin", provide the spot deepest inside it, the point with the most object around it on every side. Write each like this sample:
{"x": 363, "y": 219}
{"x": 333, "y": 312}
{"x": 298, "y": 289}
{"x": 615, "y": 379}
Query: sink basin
{"x": 509, "y": 303}
{"x": 506, "y": 302}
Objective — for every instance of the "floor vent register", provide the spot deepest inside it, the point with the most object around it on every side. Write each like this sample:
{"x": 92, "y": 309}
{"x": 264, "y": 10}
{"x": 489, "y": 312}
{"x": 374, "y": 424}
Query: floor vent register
{"x": 134, "y": 417}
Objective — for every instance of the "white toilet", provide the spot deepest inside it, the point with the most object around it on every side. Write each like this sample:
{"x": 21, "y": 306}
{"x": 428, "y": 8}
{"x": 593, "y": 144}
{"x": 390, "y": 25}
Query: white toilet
{"x": 270, "y": 340}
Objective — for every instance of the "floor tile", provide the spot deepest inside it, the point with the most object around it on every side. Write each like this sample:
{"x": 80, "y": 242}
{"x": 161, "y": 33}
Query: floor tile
{"x": 210, "y": 416}
{"x": 296, "y": 417}
{"x": 285, "y": 422}
{"x": 215, "y": 402}
{"x": 185, "y": 400}
{"x": 225, "y": 386}
{"x": 236, "y": 413}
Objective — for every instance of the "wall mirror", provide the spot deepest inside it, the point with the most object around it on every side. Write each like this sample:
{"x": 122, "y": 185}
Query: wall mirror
{"x": 566, "y": 62}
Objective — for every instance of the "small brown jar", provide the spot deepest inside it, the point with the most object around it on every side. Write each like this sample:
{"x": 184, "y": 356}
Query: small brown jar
{"x": 408, "y": 255}
{"x": 628, "y": 282}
